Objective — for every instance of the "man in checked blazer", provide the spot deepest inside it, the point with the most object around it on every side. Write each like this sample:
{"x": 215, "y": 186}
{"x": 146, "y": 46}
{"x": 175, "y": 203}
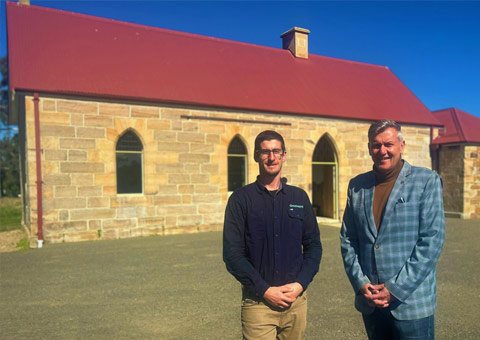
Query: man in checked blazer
{"x": 392, "y": 234}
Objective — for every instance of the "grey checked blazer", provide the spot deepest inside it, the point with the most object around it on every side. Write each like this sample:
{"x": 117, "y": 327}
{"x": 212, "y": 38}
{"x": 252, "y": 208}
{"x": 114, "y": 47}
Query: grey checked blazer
{"x": 404, "y": 253}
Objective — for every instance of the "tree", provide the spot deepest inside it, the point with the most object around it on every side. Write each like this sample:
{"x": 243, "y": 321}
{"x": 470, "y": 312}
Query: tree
{"x": 9, "y": 166}
{"x": 3, "y": 91}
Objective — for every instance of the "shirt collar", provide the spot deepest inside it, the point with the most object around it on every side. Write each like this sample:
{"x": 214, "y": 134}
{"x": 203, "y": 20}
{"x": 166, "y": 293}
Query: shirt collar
{"x": 283, "y": 186}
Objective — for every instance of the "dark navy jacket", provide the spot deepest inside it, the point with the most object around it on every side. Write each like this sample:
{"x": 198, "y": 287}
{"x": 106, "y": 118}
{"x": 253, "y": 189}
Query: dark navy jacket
{"x": 270, "y": 240}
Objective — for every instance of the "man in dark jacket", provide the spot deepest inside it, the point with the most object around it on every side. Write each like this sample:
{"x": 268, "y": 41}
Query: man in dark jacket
{"x": 271, "y": 245}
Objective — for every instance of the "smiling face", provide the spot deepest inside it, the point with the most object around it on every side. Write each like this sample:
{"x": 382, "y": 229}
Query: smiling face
{"x": 386, "y": 150}
{"x": 270, "y": 164}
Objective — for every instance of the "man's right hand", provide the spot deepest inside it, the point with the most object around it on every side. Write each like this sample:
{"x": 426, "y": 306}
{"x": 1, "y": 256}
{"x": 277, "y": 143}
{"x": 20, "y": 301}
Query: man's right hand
{"x": 277, "y": 296}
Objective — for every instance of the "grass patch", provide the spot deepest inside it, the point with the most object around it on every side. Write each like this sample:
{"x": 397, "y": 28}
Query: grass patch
{"x": 23, "y": 244}
{"x": 10, "y": 213}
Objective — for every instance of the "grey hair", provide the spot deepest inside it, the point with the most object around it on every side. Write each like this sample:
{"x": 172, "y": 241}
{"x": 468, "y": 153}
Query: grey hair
{"x": 381, "y": 125}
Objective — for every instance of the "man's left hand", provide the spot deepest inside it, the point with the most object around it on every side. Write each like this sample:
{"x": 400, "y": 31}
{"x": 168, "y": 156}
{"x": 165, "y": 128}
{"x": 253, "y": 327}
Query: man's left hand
{"x": 296, "y": 289}
{"x": 382, "y": 297}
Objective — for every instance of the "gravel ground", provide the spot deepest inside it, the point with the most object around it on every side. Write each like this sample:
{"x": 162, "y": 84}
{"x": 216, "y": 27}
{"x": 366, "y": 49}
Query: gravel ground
{"x": 176, "y": 287}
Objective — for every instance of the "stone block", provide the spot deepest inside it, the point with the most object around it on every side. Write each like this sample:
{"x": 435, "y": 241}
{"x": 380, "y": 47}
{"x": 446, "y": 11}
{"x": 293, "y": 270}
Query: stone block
{"x": 77, "y": 106}
{"x": 169, "y": 168}
{"x": 173, "y": 113}
{"x": 209, "y": 168}
{"x": 111, "y": 109}
{"x": 56, "y": 179}
{"x": 89, "y": 191}
{"x": 205, "y": 188}
{"x": 98, "y": 121}
{"x": 77, "y": 143}
{"x": 81, "y": 167}
{"x": 211, "y": 208}
{"x": 166, "y": 189}
{"x": 118, "y": 223}
{"x": 179, "y": 209}
{"x": 55, "y": 118}
{"x": 167, "y": 199}
{"x": 70, "y": 203}
{"x": 186, "y": 189}
{"x": 145, "y": 112}
{"x": 199, "y": 178}
{"x": 172, "y": 147}
{"x": 207, "y": 198}
{"x": 77, "y": 155}
{"x": 189, "y": 126}
{"x": 193, "y": 158}
{"x": 65, "y": 191}
{"x": 57, "y": 131}
{"x": 189, "y": 220}
{"x": 90, "y": 132}
{"x": 95, "y": 224}
{"x": 83, "y": 214}
{"x": 82, "y": 179}
{"x": 165, "y": 136}
{"x": 55, "y": 155}
{"x": 158, "y": 124}
{"x": 193, "y": 137}
{"x": 129, "y": 200}
{"x": 201, "y": 148}
{"x": 47, "y": 105}
{"x": 178, "y": 179}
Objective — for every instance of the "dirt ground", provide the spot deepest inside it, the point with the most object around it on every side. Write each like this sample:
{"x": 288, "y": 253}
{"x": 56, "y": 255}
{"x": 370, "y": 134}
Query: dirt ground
{"x": 9, "y": 240}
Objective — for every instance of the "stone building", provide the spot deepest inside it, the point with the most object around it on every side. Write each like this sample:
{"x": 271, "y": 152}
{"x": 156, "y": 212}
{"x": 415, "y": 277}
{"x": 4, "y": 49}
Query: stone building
{"x": 130, "y": 130}
{"x": 456, "y": 157}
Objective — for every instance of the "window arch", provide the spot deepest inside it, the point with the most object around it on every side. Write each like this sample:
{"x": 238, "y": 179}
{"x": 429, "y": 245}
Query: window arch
{"x": 129, "y": 157}
{"x": 325, "y": 178}
{"x": 237, "y": 164}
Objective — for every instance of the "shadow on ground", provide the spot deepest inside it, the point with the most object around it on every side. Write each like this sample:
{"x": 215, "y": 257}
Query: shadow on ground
{"x": 176, "y": 287}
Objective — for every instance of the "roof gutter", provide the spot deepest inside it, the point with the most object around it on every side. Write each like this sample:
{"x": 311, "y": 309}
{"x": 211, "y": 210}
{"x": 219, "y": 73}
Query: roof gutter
{"x": 39, "y": 182}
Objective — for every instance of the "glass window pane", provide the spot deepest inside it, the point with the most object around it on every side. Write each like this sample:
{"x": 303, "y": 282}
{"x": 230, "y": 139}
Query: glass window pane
{"x": 129, "y": 173}
{"x": 324, "y": 151}
{"x": 236, "y": 172}
{"x": 237, "y": 147}
{"x": 129, "y": 142}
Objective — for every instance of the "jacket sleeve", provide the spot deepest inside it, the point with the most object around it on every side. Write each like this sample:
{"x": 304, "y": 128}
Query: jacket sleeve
{"x": 234, "y": 251}
{"x": 312, "y": 246}
{"x": 431, "y": 236}
{"x": 349, "y": 246}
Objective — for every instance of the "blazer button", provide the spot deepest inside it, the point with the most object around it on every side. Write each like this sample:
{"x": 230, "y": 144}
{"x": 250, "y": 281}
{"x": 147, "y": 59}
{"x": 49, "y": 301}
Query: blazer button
{"x": 377, "y": 246}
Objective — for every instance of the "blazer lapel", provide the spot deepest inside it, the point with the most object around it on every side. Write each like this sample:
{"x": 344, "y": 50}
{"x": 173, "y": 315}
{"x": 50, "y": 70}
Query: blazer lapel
{"x": 396, "y": 195}
{"x": 368, "y": 203}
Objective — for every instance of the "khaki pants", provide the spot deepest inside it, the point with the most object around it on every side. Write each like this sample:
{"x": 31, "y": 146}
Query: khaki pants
{"x": 261, "y": 322}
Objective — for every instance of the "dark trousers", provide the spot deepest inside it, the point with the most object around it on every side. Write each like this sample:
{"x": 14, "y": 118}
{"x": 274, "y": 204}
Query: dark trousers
{"x": 381, "y": 325}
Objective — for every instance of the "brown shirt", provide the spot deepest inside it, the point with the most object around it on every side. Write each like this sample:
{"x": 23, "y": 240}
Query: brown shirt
{"x": 384, "y": 183}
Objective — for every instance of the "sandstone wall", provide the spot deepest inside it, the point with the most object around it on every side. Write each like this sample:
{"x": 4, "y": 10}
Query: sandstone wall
{"x": 185, "y": 164}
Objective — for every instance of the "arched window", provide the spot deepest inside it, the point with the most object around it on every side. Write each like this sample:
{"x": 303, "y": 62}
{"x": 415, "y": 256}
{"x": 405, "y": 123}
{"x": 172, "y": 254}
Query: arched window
{"x": 129, "y": 154}
{"x": 237, "y": 164}
{"x": 325, "y": 178}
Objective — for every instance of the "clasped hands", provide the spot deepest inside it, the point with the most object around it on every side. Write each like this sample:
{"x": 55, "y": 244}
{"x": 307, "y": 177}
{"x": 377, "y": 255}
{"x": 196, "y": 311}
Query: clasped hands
{"x": 376, "y": 295}
{"x": 283, "y": 296}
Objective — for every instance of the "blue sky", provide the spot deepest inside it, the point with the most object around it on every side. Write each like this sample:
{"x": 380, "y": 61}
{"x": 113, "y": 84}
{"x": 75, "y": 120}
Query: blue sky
{"x": 433, "y": 47}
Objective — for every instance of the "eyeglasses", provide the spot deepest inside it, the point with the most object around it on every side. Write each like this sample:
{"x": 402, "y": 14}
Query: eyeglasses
{"x": 265, "y": 153}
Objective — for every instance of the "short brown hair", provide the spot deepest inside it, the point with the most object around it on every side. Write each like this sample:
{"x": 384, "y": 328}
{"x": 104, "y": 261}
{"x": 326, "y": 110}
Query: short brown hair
{"x": 268, "y": 135}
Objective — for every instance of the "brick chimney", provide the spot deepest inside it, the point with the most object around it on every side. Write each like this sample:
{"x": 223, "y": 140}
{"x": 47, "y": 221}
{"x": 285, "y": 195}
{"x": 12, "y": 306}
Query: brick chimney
{"x": 296, "y": 40}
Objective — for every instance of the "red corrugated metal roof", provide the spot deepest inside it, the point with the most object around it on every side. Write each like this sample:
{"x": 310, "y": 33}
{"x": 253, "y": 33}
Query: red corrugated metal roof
{"x": 459, "y": 127}
{"x": 67, "y": 53}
